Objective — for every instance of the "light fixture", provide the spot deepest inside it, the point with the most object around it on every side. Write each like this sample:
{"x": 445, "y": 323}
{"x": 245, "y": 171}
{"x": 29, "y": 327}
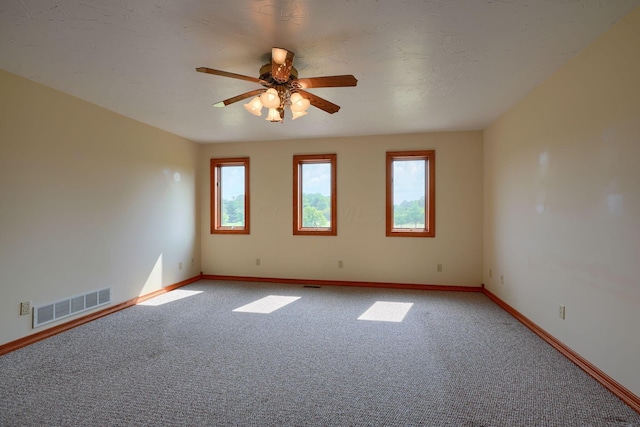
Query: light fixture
{"x": 276, "y": 100}
{"x": 274, "y": 115}
{"x": 279, "y": 55}
{"x": 254, "y": 107}
{"x": 270, "y": 98}
{"x": 298, "y": 103}
{"x": 297, "y": 114}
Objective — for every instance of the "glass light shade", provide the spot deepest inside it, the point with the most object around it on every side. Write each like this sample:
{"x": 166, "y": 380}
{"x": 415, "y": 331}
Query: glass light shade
{"x": 270, "y": 98}
{"x": 297, "y": 114}
{"x": 300, "y": 105}
{"x": 279, "y": 55}
{"x": 273, "y": 115}
{"x": 254, "y": 107}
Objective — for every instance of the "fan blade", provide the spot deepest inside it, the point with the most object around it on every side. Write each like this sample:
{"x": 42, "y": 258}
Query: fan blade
{"x": 228, "y": 74}
{"x": 320, "y": 103}
{"x": 239, "y": 98}
{"x": 329, "y": 81}
{"x": 281, "y": 63}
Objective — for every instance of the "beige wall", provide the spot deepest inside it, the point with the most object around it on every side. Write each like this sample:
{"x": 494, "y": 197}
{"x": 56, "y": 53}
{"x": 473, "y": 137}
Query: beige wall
{"x": 89, "y": 199}
{"x": 361, "y": 243}
{"x": 562, "y": 203}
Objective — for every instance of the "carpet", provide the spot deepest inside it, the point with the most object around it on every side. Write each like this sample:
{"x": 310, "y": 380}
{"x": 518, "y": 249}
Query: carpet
{"x": 456, "y": 359}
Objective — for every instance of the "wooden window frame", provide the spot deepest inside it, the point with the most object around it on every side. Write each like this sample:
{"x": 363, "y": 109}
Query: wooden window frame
{"x": 429, "y": 230}
{"x": 216, "y": 165}
{"x": 298, "y": 161}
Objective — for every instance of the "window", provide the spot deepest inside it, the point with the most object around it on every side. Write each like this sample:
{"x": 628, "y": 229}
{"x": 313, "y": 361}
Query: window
{"x": 411, "y": 193}
{"x": 230, "y": 196}
{"x": 314, "y": 195}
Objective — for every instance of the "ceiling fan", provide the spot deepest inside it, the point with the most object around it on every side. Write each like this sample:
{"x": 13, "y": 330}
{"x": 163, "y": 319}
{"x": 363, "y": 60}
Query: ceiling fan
{"x": 283, "y": 88}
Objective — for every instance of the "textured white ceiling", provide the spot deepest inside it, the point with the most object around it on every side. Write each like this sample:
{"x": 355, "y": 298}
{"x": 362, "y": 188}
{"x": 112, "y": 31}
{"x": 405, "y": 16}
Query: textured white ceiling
{"x": 421, "y": 65}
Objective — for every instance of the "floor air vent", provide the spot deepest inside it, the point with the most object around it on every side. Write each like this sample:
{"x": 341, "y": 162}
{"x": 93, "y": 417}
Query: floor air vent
{"x": 70, "y": 306}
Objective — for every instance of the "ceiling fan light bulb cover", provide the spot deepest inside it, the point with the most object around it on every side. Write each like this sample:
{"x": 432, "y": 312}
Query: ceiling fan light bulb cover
{"x": 297, "y": 114}
{"x": 270, "y": 98}
{"x": 254, "y": 107}
{"x": 273, "y": 115}
{"x": 279, "y": 55}
{"x": 300, "y": 105}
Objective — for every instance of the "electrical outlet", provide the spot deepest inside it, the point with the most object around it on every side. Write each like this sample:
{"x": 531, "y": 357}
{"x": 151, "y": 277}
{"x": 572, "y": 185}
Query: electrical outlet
{"x": 439, "y": 268}
{"x": 340, "y": 264}
{"x": 25, "y": 308}
{"x": 179, "y": 266}
{"x": 561, "y": 311}
{"x": 502, "y": 280}
{"x": 258, "y": 262}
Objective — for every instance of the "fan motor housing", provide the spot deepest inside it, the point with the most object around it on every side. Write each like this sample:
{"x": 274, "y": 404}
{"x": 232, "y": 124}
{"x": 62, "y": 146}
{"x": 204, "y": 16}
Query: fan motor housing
{"x": 265, "y": 74}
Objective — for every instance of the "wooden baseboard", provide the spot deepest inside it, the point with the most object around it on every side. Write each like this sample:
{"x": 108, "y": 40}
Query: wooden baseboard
{"x": 345, "y": 283}
{"x": 38, "y": 336}
{"x": 612, "y": 385}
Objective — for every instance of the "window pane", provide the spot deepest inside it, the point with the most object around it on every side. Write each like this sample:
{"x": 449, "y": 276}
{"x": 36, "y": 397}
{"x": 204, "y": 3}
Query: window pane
{"x": 409, "y": 188}
{"x": 316, "y": 195}
{"x": 232, "y": 196}
{"x": 410, "y": 193}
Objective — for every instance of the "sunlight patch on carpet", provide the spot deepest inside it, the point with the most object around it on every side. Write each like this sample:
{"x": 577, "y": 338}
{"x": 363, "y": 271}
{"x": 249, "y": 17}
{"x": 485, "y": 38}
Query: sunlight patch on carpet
{"x": 169, "y": 297}
{"x": 267, "y": 305}
{"x": 385, "y": 311}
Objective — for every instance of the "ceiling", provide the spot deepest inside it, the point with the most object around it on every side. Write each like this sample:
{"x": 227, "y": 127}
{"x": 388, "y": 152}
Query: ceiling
{"x": 421, "y": 65}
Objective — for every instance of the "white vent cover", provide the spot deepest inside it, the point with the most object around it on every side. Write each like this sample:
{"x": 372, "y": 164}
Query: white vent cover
{"x": 70, "y": 306}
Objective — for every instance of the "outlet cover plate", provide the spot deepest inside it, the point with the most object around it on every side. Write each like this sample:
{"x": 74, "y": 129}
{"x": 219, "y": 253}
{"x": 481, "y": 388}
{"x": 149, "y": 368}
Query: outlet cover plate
{"x": 25, "y": 308}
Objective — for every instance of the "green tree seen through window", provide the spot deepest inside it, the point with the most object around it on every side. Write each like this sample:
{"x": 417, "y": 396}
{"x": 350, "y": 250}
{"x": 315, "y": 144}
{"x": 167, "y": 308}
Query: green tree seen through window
{"x": 316, "y": 210}
{"x": 409, "y": 214}
{"x": 233, "y": 211}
